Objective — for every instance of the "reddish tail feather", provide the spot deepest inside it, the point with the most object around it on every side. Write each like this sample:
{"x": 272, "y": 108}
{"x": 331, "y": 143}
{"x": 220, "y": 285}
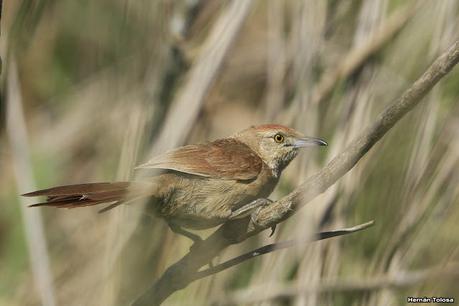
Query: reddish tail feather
{"x": 81, "y": 195}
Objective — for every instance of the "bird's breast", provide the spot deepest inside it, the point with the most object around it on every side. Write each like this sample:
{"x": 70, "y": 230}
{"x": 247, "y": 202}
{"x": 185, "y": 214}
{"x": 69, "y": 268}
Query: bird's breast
{"x": 199, "y": 202}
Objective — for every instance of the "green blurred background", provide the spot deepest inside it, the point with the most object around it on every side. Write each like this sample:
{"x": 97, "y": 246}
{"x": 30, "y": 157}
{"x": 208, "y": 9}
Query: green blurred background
{"x": 92, "y": 88}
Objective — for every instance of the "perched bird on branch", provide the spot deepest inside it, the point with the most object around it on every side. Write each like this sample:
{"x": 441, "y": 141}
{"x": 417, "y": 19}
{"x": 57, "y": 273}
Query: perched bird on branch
{"x": 200, "y": 186}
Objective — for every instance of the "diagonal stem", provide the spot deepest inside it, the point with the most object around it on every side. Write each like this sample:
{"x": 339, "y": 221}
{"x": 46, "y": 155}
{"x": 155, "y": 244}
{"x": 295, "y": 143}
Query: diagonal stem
{"x": 280, "y": 246}
{"x": 183, "y": 272}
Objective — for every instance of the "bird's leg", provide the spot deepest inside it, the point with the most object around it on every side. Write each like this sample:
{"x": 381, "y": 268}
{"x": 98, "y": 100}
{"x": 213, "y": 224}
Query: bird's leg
{"x": 196, "y": 239}
{"x": 248, "y": 209}
{"x": 179, "y": 230}
{"x": 253, "y": 208}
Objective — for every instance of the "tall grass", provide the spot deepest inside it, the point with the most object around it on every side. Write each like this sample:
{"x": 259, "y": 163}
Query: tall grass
{"x": 105, "y": 83}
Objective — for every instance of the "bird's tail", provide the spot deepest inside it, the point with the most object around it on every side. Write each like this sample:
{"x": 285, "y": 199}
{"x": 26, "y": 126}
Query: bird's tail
{"x": 81, "y": 195}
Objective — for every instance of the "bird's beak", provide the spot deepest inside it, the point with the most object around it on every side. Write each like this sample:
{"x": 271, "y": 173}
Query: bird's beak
{"x": 309, "y": 141}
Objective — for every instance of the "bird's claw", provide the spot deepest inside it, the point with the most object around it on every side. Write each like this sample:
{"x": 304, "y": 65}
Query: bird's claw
{"x": 253, "y": 217}
{"x": 254, "y": 214}
{"x": 273, "y": 230}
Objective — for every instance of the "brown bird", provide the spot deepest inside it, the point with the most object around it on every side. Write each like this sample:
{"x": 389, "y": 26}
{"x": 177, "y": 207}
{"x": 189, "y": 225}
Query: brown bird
{"x": 201, "y": 185}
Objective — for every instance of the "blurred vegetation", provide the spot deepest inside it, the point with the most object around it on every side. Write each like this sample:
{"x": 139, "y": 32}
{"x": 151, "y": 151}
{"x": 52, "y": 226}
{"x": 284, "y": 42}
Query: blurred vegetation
{"x": 98, "y": 79}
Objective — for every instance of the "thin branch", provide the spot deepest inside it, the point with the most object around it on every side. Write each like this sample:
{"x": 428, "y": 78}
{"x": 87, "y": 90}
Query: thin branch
{"x": 279, "y": 246}
{"x": 182, "y": 273}
{"x": 402, "y": 279}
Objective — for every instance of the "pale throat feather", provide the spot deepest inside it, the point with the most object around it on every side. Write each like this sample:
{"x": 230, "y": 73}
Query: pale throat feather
{"x": 277, "y": 165}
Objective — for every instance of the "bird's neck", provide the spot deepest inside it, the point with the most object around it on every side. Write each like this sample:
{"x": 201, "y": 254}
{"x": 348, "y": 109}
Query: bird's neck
{"x": 277, "y": 165}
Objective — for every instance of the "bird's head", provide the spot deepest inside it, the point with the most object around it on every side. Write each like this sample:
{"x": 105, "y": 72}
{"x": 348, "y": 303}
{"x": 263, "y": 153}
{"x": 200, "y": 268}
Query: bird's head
{"x": 277, "y": 145}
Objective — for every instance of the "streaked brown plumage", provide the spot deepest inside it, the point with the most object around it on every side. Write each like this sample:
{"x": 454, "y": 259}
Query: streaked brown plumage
{"x": 201, "y": 185}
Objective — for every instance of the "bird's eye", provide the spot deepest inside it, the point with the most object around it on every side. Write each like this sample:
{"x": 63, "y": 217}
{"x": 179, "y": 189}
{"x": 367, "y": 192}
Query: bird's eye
{"x": 278, "y": 138}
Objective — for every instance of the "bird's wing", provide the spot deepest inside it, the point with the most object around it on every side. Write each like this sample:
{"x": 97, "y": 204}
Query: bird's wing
{"x": 224, "y": 159}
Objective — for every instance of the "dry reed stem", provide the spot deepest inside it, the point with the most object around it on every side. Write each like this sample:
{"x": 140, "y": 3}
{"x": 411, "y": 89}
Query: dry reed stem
{"x": 319, "y": 182}
{"x": 277, "y": 59}
{"x": 419, "y": 199}
{"x": 185, "y": 108}
{"x": 402, "y": 279}
{"x": 358, "y": 56}
{"x": 180, "y": 274}
{"x": 32, "y": 221}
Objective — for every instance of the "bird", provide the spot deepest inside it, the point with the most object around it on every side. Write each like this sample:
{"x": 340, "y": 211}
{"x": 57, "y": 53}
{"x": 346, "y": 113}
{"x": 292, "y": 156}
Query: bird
{"x": 198, "y": 186}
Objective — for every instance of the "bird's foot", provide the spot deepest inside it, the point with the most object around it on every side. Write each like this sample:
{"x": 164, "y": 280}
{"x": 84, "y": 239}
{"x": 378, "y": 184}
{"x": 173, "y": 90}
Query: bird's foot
{"x": 248, "y": 209}
{"x": 273, "y": 230}
{"x": 254, "y": 214}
